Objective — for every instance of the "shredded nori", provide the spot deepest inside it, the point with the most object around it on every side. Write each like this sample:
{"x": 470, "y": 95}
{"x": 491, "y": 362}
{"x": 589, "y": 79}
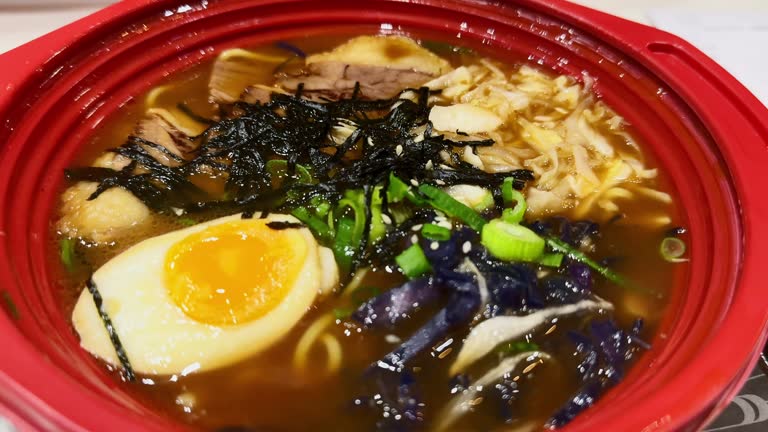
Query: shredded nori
{"x": 281, "y": 225}
{"x": 113, "y": 337}
{"x": 385, "y": 140}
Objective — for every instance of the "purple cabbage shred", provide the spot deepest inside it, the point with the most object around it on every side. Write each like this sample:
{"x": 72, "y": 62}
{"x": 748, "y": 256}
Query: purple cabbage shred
{"x": 604, "y": 354}
{"x": 292, "y": 48}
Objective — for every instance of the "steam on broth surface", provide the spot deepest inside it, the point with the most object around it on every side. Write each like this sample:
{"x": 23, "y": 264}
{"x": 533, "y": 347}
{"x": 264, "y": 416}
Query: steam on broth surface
{"x": 382, "y": 235}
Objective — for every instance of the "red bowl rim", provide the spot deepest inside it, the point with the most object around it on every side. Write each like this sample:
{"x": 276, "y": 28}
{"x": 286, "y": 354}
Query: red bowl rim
{"x": 734, "y": 117}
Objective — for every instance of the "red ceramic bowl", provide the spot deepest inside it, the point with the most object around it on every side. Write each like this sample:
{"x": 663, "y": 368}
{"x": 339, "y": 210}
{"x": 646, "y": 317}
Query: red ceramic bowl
{"x": 706, "y": 130}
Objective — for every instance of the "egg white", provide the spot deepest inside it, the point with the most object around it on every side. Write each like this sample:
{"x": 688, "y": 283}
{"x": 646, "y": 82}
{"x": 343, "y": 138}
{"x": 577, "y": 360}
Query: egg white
{"x": 159, "y": 338}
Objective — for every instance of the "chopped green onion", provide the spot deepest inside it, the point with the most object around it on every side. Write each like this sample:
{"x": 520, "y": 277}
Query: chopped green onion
{"x": 331, "y": 220}
{"x": 67, "y": 252}
{"x": 378, "y": 228}
{"x": 672, "y": 249}
{"x": 397, "y": 189}
{"x": 413, "y": 262}
{"x": 560, "y": 246}
{"x": 442, "y": 48}
{"x": 510, "y": 195}
{"x": 320, "y": 206}
{"x": 342, "y": 313}
{"x": 508, "y": 190}
{"x": 323, "y": 208}
{"x": 279, "y": 167}
{"x": 511, "y": 242}
{"x": 551, "y": 260}
{"x": 449, "y": 205}
{"x": 435, "y": 232}
{"x": 317, "y": 225}
{"x": 355, "y": 200}
{"x": 518, "y": 347}
{"x": 400, "y": 213}
{"x": 363, "y": 294}
{"x": 477, "y": 198}
{"x": 187, "y": 221}
{"x": 344, "y": 247}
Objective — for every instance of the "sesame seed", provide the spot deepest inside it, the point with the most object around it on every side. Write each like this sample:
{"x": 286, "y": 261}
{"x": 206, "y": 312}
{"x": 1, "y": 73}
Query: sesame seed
{"x": 466, "y": 247}
{"x": 393, "y": 339}
{"x": 399, "y": 149}
{"x": 417, "y": 227}
{"x": 530, "y": 367}
{"x": 439, "y": 182}
{"x": 444, "y": 345}
{"x": 414, "y": 182}
{"x": 414, "y": 239}
{"x": 434, "y": 245}
{"x": 429, "y": 165}
{"x": 386, "y": 219}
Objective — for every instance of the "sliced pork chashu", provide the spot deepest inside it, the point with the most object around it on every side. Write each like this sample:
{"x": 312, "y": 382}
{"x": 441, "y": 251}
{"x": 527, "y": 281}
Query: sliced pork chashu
{"x": 383, "y": 65}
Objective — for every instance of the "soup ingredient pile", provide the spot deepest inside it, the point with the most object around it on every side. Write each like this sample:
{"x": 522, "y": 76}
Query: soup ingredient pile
{"x": 377, "y": 157}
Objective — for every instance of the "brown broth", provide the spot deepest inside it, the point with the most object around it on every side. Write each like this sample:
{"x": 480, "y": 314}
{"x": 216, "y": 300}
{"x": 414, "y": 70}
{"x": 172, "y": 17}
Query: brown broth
{"x": 265, "y": 392}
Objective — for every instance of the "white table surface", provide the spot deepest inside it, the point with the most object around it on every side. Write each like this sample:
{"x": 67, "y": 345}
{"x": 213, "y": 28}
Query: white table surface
{"x": 719, "y": 27}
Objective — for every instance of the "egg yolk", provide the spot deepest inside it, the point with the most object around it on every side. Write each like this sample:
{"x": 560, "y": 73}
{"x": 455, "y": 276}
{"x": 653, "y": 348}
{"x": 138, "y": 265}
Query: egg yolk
{"x": 235, "y": 272}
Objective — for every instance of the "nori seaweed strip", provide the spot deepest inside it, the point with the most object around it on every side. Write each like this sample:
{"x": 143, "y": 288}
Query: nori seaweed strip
{"x": 615, "y": 218}
{"x": 157, "y": 147}
{"x": 113, "y": 337}
{"x": 385, "y": 199}
{"x": 347, "y": 145}
{"x": 482, "y": 178}
{"x": 151, "y": 195}
{"x": 193, "y": 115}
{"x": 282, "y": 225}
{"x": 133, "y": 150}
{"x": 385, "y": 250}
{"x": 297, "y": 130}
{"x": 359, "y": 256}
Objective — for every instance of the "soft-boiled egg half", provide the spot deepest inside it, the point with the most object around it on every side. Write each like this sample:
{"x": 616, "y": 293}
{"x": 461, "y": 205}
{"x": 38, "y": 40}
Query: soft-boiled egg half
{"x": 205, "y": 296}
